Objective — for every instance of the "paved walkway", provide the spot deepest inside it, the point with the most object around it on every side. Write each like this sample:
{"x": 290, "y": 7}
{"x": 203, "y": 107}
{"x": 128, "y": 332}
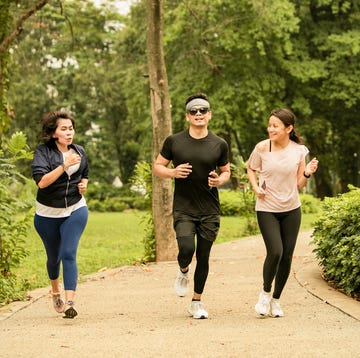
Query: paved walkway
{"x": 133, "y": 312}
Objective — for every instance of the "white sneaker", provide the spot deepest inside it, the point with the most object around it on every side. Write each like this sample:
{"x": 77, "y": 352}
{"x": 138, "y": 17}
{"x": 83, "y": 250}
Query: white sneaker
{"x": 275, "y": 308}
{"x": 58, "y": 303}
{"x": 181, "y": 283}
{"x": 262, "y": 308}
{"x": 197, "y": 311}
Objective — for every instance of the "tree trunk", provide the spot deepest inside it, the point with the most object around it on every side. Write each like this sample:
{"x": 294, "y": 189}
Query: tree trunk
{"x": 161, "y": 120}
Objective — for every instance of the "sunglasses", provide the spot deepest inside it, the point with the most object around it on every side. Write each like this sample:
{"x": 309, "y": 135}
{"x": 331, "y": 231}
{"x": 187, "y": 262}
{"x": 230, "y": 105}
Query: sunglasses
{"x": 200, "y": 110}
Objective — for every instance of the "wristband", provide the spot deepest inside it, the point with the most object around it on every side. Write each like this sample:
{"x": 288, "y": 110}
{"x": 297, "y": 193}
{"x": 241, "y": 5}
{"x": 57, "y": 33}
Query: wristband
{"x": 64, "y": 167}
{"x": 306, "y": 176}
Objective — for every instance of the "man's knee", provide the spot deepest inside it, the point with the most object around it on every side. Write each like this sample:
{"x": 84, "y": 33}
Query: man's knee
{"x": 186, "y": 246}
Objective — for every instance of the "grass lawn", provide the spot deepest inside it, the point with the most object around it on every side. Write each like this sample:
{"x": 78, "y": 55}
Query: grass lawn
{"x": 112, "y": 240}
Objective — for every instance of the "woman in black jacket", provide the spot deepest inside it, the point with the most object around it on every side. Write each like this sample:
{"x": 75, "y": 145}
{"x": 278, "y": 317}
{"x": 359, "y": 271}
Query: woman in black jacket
{"x": 60, "y": 170}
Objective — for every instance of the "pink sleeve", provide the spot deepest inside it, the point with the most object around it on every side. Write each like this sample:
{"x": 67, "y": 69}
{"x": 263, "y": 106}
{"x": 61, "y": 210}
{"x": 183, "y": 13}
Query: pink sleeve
{"x": 305, "y": 152}
{"x": 254, "y": 161}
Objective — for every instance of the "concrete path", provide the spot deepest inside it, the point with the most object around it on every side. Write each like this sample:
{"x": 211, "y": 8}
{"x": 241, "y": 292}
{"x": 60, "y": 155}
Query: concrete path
{"x": 134, "y": 312}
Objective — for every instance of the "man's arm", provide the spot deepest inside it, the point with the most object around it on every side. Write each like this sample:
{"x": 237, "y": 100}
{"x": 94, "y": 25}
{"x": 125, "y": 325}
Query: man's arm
{"x": 225, "y": 174}
{"x": 161, "y": 169}
{"x": 221, "y": 179}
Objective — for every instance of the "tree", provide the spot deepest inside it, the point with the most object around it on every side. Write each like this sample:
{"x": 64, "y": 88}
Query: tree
{"x": 247, "y": 55}
{"x": 71, "y": 61}
{"x": 7, "y": 36}
{"x": 160, "y": 110}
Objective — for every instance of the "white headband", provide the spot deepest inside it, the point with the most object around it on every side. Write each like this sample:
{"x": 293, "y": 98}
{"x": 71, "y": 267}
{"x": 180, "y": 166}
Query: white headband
{"x": 197, "y": 102}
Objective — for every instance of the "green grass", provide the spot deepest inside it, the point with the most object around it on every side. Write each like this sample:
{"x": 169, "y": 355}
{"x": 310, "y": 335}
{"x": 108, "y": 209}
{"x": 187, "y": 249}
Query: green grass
{"x": 233, "y": 227}
{"x": 109, "y": 240}
{"x": 113, "y": 240}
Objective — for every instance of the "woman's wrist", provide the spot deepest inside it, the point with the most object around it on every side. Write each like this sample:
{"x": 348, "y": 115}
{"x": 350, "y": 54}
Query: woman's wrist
{"x": 65, "y": 167}
{"x": 306, "y": 175}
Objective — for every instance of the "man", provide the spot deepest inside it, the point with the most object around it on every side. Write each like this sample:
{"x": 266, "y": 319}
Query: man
{"x": 199, "y": 165}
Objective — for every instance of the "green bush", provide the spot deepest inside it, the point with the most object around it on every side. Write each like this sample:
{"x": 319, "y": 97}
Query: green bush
{"x": 108, "y": 198}
{"x": 142, "y": 178}
{"x": 240, "y": 203}
{"x": 337, "y": 236}
{"x": 236, "y": 202}
{"x": 107, "y": 205}
{"x": 15, "y": 213}
{"x": 309, "y": 204}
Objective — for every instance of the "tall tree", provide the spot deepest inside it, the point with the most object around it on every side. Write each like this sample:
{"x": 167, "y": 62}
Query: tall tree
{"x": 8, "y": 34}
{"x": 161, "y": 118}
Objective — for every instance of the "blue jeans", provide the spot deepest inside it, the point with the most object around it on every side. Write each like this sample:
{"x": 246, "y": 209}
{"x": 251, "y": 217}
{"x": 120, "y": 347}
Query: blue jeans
{"x": 60, "y": 237}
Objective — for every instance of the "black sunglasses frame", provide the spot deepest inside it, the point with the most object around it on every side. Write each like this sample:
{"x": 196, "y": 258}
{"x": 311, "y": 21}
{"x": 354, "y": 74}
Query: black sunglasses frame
{"x": 194, "y": 111}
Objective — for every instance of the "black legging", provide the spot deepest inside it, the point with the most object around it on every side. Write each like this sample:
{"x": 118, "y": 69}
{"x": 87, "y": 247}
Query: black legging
{"x": 279, "y": 231}
{"x": 186, "y": 252}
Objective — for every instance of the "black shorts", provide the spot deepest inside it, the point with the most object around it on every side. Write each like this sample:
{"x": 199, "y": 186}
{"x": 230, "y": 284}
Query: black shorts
{"x": 207, "y": 226}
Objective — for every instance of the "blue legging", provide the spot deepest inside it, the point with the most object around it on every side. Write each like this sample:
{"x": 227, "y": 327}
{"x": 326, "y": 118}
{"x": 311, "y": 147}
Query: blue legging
{"x": 279, "y": 231}
{"x": 60, "y": 237}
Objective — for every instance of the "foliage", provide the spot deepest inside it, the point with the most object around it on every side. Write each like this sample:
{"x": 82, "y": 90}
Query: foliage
{"x": 15, "y": 213}
{"x": 10, "y": 30}
{"x": 107, "y": 198}
{"x": 245, "y": 195}
{"x": 93, "y": 61}
{"x": 309, "y": 204}
{"x": 337, "y": 236}
{"x": 142, "y": 179}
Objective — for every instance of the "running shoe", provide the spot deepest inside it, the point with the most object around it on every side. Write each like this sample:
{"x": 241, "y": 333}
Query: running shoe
{"x": 275, "y": 308}
{"x": 70, "y": 310}
{"x": 58, "y": 303}
{"x": 262, "y": 308}
{"x": 197, "y": 310}
{"x": 181, "y": 283}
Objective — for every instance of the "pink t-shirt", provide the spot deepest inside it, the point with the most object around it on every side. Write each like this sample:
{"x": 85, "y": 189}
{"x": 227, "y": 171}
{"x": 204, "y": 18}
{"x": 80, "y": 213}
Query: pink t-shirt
{"x": 277, "y": 175}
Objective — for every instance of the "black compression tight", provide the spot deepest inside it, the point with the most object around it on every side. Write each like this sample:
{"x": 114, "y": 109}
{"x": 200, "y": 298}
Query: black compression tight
{"x": 186, "y": 246}
{"x": 279, "y": 231}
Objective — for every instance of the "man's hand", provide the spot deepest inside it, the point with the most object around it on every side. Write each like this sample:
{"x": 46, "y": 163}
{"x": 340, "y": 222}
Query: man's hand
{"x": 182, "y": 171}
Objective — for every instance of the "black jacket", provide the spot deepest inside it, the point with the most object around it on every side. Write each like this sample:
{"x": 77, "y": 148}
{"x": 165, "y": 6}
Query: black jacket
{"x": 64, "y": 191}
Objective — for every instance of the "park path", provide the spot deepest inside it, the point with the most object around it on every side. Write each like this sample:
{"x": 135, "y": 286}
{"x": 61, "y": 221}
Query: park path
{"x": 132, "y": 311}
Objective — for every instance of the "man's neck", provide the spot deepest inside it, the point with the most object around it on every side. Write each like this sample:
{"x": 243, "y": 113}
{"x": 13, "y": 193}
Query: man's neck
{"x": 198, "y": 133}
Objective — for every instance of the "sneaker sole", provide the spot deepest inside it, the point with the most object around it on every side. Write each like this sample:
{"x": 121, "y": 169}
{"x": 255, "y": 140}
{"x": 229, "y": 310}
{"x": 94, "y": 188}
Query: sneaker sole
{"x": 70, "y": 313}
{"x": 262, "y": 315}
{"x": 276, "y": 316}
{"x": 197, "y": 317}
{"x": 201, "y": 317}
{"x": 181, "y": 295}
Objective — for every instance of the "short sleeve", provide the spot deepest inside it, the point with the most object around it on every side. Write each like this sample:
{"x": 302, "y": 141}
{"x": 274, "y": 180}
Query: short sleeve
{"x": 254, "y": 161}
{"x": 224, "y": 158}
{"x": 305, "y": 152}
{"x": 166, "y": 151}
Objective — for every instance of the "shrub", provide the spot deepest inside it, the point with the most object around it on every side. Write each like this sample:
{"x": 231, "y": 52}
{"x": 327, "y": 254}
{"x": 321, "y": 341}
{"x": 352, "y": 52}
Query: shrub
{"x": 107, "y": 198}
{"x": 309, "y": 204}
{"x": 15, "y": 213}
{"x": 337, "y": 236}
{"x": 240, "y": 203}
{"x": 143, "y": 179}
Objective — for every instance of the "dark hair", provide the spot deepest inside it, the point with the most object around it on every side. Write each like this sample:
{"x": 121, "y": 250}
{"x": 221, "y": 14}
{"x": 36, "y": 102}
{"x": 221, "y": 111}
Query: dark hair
{"x": 288, "y": 118}
{"x": 50, "y": 122}
{"x": 196, "y": 95}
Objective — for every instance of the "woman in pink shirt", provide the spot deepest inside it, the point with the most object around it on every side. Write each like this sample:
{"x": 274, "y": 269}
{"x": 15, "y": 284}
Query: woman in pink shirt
{"x": 277, "y": 169}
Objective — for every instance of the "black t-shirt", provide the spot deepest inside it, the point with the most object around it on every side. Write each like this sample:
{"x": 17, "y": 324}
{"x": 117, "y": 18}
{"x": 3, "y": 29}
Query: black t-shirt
{"x": 192, "y": 195}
